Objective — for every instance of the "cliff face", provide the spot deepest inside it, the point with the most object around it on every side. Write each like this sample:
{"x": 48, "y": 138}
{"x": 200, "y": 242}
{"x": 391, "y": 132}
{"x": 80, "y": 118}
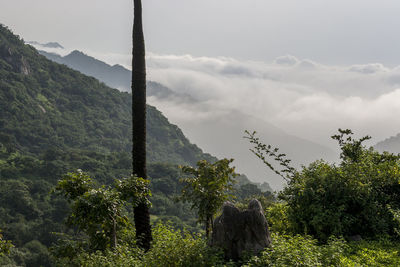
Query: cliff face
{"x": 12, "y": 60}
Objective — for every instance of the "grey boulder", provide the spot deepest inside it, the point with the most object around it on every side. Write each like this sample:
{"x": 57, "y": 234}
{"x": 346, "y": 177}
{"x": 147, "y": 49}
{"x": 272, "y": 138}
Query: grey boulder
{"x": 239, "y": 232}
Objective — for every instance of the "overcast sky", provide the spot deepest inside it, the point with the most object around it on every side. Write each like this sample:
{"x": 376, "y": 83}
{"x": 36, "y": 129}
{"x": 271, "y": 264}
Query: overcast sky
{"x": 328, "y": 31}
{"x": 307, "y": 67}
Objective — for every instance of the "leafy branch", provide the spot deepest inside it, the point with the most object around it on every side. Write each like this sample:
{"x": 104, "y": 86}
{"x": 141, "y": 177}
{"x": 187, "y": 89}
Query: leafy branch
{"x": 352, "y": 149}
{"x": 263, "y": 151}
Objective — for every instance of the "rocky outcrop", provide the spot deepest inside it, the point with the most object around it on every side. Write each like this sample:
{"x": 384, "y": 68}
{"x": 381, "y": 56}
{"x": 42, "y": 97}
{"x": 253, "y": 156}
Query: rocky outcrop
{"x": 17, "y": 62}
{"x": 238, "y": 232}
{"x": 24, "y": 67}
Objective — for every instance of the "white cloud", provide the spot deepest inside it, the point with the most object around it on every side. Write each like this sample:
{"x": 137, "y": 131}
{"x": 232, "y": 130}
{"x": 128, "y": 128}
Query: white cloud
{"x": 302, "y": 97}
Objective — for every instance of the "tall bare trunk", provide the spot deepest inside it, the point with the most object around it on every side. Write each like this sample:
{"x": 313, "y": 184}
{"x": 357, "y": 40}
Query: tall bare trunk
{"x": 141, "y": 212}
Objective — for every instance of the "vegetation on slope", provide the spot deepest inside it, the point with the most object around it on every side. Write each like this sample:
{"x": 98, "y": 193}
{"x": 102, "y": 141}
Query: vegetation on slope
{"x": 54, "y": 120}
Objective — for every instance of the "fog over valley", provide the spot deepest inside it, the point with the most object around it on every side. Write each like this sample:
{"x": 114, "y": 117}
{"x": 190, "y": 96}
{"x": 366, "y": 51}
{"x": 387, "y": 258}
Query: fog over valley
{"x": 294, "y": 104}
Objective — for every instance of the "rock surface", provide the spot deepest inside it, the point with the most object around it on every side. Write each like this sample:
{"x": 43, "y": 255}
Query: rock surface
{"x": 239, "y": 232}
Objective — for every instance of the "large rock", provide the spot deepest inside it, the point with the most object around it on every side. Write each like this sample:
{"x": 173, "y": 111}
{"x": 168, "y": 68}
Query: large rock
{"x": 239, "y": 232}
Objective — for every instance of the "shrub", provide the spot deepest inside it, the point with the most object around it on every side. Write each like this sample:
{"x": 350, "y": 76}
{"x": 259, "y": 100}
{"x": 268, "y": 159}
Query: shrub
{"x": 359, "y": 196}
{"x": 174, "y": 248}
{"x": 169, "y": 248}
{"x": 382, "y": 252}
{"x": 287, "y": 250}
{"x": 277, "y": 217}
{"x": 353, "y": 198}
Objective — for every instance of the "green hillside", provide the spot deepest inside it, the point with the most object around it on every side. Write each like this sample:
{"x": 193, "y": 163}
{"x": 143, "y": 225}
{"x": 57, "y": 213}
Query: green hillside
{"x": 54, "y": 120}
{"x": 47, "y": 105}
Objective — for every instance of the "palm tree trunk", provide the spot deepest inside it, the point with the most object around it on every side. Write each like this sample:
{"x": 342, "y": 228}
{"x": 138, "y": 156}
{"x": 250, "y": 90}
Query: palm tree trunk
{"x": 141, "y": 212}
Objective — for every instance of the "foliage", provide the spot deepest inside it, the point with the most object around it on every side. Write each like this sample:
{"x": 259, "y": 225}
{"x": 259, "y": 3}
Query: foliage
{"x": 396, "y": 219}
{"x": 351, "y": 149}
{"x": 207, "y": 188}
{"x": 169, "y": 248}
{"x": 174, "y": 248}
{"x": 287, "y": 250}
{"x": 5, "y": 245}
{"x": 54, "y": 120}
{"x": 381, "y": 252}
{"x": 278, "y": 218}
{"x": 263, "y": 151}
{"x": 98, "y": 211}
{"x": 355, "y": 197}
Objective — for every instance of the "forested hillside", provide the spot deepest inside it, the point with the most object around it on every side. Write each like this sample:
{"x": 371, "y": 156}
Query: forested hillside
{"x": 44, "y": 104}
{"x": 54, "y": 120}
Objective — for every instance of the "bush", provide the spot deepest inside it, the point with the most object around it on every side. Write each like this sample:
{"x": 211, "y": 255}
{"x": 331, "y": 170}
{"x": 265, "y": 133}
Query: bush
{"x": 287, "y": 250}
{"x": 174, "y": 248}
{"x": 350, "y": 199}
{"x": 169, "y": 248}
{"x": 382, "y": 252}
{"x": 277, "y": 217}
{"x": 359, "y": 196}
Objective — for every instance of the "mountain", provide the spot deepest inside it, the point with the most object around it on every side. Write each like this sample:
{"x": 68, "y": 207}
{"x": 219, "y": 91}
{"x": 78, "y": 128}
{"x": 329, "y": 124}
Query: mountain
{"x": 224, "y": 138}
{"x": 119, "y": 77}
{"x": 114, "y": 76}
{"x": 45, "y": 104}
{"x": 391, "y": 144}
{"x": 216, "y": 135}
{"x": 55, "y": 120}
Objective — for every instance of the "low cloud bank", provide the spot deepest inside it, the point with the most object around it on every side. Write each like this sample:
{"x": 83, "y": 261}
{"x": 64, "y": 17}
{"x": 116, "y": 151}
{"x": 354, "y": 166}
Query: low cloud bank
{"x": 295, "y": 104}
{"x": 297, "y": 96}
{"x": 302, "y": 97}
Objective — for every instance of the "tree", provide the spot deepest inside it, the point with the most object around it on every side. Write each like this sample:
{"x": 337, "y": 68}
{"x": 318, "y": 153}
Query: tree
{"x": 98, "y": 211}
{"x": 141, "y": 212}
{"x": 207, "y": 188}
{"x": 359, "y": 196}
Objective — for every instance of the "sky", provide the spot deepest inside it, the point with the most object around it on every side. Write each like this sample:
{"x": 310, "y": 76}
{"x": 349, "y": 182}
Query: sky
{"x": 303, "y": 67}
{"x": 329, "y": 31}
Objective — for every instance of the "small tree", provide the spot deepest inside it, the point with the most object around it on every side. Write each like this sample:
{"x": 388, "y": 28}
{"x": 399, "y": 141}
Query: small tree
{"x": 207, "y": 188}
{"x": 98, "y": 211}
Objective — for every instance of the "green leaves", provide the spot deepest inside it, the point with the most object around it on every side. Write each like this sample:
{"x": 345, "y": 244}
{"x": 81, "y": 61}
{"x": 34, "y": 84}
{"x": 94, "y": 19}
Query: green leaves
{"x": 207, "y": 187}
{"x": 5, "y": 245}
{"x": 98, "y": 212}
{"x": 349, "y": 199}
{"x": 133, "y": 189}
{"x": 263, "y": 152}
{"x": 73, "y": 185}
{"x": 352, "y": 149}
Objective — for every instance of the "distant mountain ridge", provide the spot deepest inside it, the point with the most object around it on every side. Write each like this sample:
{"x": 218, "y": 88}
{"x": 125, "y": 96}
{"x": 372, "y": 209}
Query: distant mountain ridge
{"x": 114, "y": 76}
{"x": 221, "y": 135}
{"x": 391, "y": 144}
